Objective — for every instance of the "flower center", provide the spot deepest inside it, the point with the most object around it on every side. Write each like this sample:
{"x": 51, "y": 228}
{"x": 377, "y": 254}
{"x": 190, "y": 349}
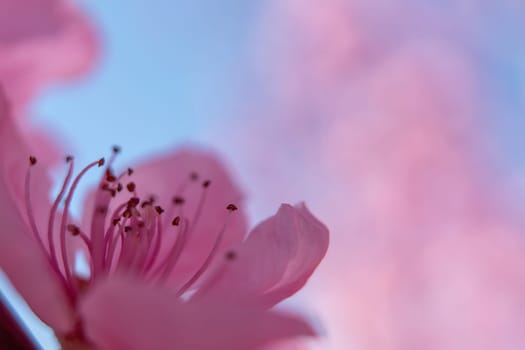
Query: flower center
{"x": 128, "y": 237}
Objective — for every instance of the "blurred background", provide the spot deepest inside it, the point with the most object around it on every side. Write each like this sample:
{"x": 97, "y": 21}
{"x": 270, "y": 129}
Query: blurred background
{"x": 398, "y": 122}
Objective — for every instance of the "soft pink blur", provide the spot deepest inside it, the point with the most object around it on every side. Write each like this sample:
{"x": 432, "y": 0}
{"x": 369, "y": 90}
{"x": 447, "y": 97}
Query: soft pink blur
{"x": 373, "y": 110}
{"x": 42, "y": 42}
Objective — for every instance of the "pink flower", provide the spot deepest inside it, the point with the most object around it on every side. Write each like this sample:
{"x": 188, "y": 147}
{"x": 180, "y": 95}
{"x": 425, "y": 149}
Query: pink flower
{"x": 42, "y": 41}
{"x": 170, "y": 271}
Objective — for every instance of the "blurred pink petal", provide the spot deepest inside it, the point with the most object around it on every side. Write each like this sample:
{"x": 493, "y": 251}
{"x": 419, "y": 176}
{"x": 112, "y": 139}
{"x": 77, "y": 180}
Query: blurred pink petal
{"x": 41, "y": 42}
{"x": 275, "y": 261}
{"x": 127, "y": 316}
{"x": 21, "y": 258}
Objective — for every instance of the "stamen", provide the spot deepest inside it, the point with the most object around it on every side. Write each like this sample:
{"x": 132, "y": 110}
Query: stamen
{"x": 29, "y": 208}
{"x": 75, "y": 231}
{"x": 156, "y": 247}
{"x": 115, "y": 220}
{"x": 171, "y": 259}
{"x": 113, "y": 245}
{"x": 54, "y": 208}
{"x": 208, "y": 260}
{"x": 65, "y": 216}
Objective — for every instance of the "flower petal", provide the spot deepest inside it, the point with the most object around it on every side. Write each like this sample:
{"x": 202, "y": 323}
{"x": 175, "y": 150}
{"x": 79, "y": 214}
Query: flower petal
{"x": 275, "y": 261}
{"x": 123, "y": 315}
{"x": 41, "y": 41}
{"x": 170, "y": 176}
{"x": 14, "y": 162}
{"x": 20, "y": 256}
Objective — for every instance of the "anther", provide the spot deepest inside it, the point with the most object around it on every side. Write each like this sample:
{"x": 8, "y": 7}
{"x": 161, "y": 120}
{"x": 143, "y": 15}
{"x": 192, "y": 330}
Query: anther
{"x": 148, "y": 201}
{"x": 231, "y": 255}
{"x": 178, "y": 200}
{"x": 130, "y": 171}
{"x": 131, "y": 187}
{"x": 101, "y": 162}
{"x": 159, "y": 209}
{"x": 176, "y": 221}
{"x": 119, "y": 187}
{"x": 128, "y": 228}
{"x": 102, "y": 210}
{"x": 69, "y": 158}
{"x": 110, "y": 177}
{"x": 231, "y": 207}
{"x": 74, "y": 230}
{"x": 116, "y": 221}
{"x": 126, "y": 213}
{"x": 206, "y": 184}
{"x": 194, "y": 176}
{"x": 116, "y": 149}
{"x": 32, "y": 160}
{"x": 141, "y": 224}
{"x": 133, "y": 202}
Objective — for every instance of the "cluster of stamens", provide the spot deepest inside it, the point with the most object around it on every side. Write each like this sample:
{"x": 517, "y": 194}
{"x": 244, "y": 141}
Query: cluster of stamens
{"x": 127, "y": 238}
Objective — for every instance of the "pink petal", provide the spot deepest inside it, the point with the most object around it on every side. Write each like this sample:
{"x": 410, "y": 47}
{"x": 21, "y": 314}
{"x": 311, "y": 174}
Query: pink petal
{"x": 164, "y": 177}
{"x": 42, "y": 41}
{"x": 20, "y": 257}
{"x": 14, "y": 163}
{"x": 122, "y": 315}
{"x": 275, "y": 261}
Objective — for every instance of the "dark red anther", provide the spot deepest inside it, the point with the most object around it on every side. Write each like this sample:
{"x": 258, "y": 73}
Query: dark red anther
{"x": 101, "y": 162}
{"x": 32, "y": 160}
{"x": 176, "y": 221}
{"x": 116, "y": 149}
{"x": 74, "y": 230}
{"x": 102, "y": 210}
{"x": 130, "y": 171}
{"x": 128, "y": 228}
{"x": 231, "y": 255}
{"x": 141, "y": 224}
{"x": 231, "y": 207}
{"x": 131, "y": 186}
{"x": 126, "y": 213}
{"x": 159, "y": 209}
{"x": 178, "y": 200}
{"x": 206, "y": 184}
{"x": 116, "y": 221}
{"x": 110, "y": 177}
{"x": 133, "y": 202}
{"x": 119, "y": 187}
{"x": 69, "y": 158}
